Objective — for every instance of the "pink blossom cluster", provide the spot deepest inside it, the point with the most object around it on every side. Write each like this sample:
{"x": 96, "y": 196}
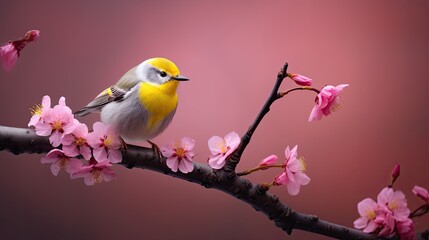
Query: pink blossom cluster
{"x": 294, "y": 167}
{"x": 388, "y": 216}
{"x": 98, "y": 148}
{"x": 11, "y": 50}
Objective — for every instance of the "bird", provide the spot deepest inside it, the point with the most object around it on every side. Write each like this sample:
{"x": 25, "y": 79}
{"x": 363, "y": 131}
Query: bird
{"x": 142, "y": 103}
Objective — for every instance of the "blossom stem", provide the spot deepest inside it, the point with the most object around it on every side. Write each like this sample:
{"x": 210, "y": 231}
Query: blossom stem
{"x": 282, "y": 94}
{"x": 259, "y": 167}
{"x": 422, "y": 210}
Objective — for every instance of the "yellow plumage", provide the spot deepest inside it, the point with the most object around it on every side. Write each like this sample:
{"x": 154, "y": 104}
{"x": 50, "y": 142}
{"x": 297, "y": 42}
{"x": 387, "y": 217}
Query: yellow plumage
{"x": 158, "y": 100}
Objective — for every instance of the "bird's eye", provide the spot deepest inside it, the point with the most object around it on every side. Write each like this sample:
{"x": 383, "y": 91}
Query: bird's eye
{"x": 163, "y": 74}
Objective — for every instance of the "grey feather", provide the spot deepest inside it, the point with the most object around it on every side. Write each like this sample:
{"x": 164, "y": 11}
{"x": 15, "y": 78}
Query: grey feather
{"x": 124, "y": 85}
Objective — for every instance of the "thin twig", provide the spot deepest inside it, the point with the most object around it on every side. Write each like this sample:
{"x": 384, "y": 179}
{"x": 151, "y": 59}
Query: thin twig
{"x": 263, "y": 167}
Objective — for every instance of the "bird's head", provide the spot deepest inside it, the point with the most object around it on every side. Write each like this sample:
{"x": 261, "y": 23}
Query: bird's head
{"x": 159, "y": 71}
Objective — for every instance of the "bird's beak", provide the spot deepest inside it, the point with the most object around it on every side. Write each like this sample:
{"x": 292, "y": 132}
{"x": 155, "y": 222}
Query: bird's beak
{"x": 180, "y": 78}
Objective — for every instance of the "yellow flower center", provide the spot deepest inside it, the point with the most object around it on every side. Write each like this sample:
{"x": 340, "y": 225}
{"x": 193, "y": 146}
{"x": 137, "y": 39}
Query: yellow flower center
{"x": 108, "y": 141}
{"x": 222, "y": 146}
{"x": 180, "y": 152}
{"x": 36, "y": 110}
{"x": 336, "y": 105}
{"x": 57, "y": 125}
{"x": 97, "y": 176}
{"x": 370, "y": 214}
{"x": 302, "y": 164}
{"x": 62, "y": 163}
{"x": 80, "y": 141}
{"x": 393, "y": 205}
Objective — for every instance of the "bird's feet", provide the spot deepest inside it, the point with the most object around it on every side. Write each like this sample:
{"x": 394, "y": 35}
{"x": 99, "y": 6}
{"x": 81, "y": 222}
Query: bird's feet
{"x": 156, "y": 150}
{"x": 124, "y": 145}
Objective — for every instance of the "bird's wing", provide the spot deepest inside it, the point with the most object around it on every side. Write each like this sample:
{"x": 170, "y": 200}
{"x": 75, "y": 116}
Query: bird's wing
{"x": 128, "y": 80}
{"x": 111, "y": 94}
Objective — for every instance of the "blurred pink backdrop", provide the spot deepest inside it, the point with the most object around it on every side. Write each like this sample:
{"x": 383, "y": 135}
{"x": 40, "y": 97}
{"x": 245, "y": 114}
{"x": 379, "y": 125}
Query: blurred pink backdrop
{"x": 232, "y": 51}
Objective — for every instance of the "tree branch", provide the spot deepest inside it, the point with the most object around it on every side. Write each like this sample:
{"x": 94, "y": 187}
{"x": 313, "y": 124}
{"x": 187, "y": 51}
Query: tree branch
{"x": 423, "y": 235}
{"x": 21, "y": 140}
{"x": 234, "y": 159}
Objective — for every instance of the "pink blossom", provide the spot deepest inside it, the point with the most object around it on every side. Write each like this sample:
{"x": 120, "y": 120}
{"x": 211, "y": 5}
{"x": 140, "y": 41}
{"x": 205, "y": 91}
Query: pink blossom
{"x": 221, "y": 148}
{"x": 179, "y": 155}
{"x": 394, "y": 203}
{"x": 327, "y": 102}
{"x": 95, "y": 172}
{"x": 8, "y": 56}
{"x": 367, "y": 209}
{"x": 75, "y": 143}
{"x": 421, "y": 193}
{"x": 405, "y": 229}
{"x": 56, "y": 122}
{"x": 32, "y": 35}
{"x": 268, "y": 161}
{"x": 105, "y": 142}
{"x": 300, "y": 79}
{"x": 59, "y": 160}
{"x": 38, "y": 110}
{"x": 293, "y": 176}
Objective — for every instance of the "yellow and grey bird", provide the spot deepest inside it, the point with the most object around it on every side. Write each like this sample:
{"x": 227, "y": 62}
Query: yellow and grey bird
{"x": 142, "y": 103}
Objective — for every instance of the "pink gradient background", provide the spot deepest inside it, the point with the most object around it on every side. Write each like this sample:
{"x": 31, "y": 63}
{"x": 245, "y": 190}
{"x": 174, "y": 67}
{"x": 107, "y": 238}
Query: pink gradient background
{"x": 232, "y": 52}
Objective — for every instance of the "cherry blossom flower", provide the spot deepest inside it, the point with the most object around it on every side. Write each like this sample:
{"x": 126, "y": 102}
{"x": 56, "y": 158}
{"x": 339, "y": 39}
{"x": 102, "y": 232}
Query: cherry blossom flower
{"x": 179, "y": 155}
{"x": 300, "y": 79}
{"x": 95, "y": 172}
{"x": 268, "y": 161}
{"x": 394, "y": 203}
{"x": 8, "y": 56}
{"x": 367, "y": 209}
{"x": 56, "y": 122}
{"x": 293, "y": 176}
{"x": 421, "y": 193}
{"x": 38, "y": 110}
{"x": 59, "y": 160}
{"x": 221, "y": 148}
{"x": 327, "y": 102}
{"x": 75, "y": 143}
{"x": 105, "y": 142}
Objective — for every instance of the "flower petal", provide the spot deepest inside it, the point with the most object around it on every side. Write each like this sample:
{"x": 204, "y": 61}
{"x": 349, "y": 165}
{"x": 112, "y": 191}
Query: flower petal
{"x": 232, "y": 140}
{"x": 214, "y": 144}
{"x": 55, "y": 168}
{"x": 115, "y": 156}
{"x": 216, "y": 162}
{"x": 186, "y": 166}
{"x": 173, "y": 163}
